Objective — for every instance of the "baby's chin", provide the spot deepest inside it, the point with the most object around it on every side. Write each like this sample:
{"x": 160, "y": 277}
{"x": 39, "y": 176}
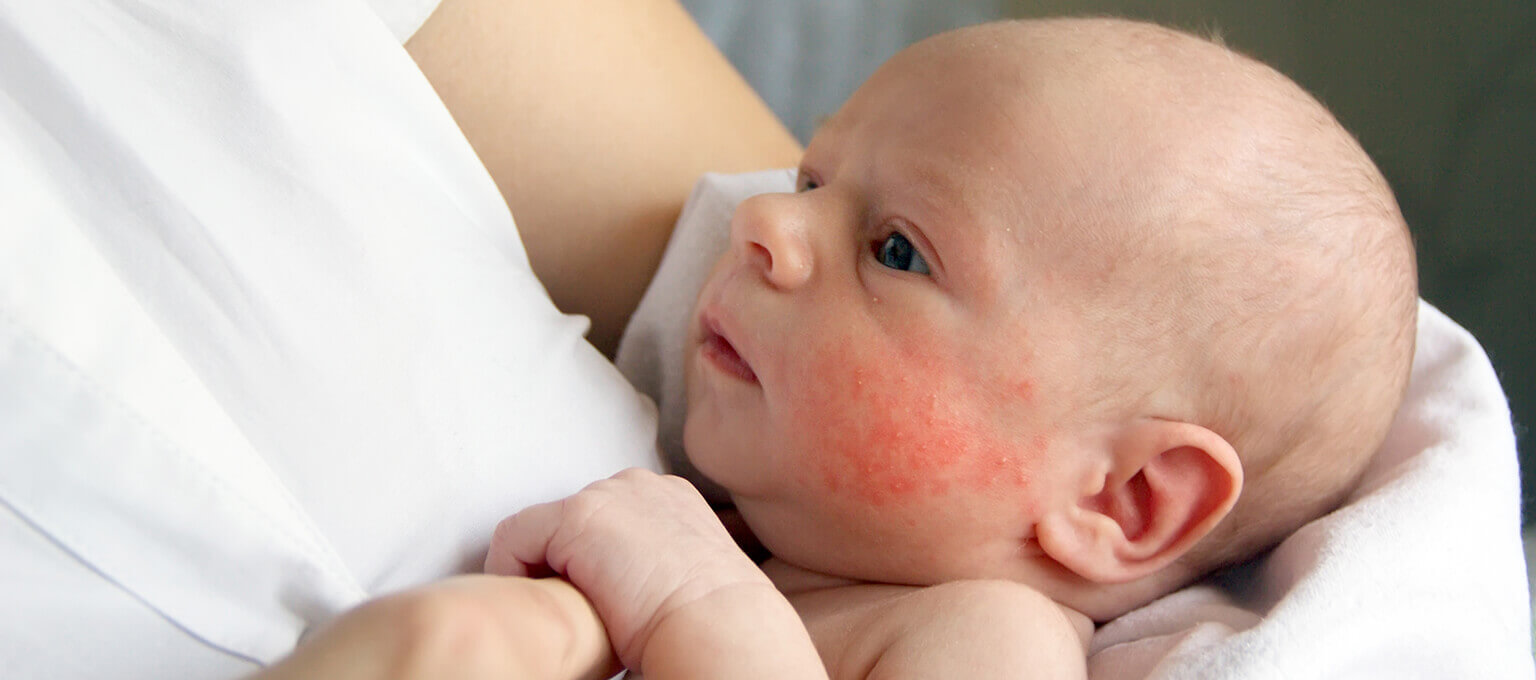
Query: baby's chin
{"x": 683, "y": 466}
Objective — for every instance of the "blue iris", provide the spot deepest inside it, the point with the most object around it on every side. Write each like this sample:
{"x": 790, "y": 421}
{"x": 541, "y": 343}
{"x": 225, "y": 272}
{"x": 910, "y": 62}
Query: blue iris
{"x": 897, "y": 252}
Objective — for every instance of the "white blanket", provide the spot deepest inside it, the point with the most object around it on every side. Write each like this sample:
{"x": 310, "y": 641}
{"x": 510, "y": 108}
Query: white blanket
{"x": 1420, "y": 575}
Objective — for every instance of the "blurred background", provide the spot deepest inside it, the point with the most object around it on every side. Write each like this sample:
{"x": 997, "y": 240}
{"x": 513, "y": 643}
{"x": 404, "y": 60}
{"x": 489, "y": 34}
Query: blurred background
{"x": 1442, "y": 95}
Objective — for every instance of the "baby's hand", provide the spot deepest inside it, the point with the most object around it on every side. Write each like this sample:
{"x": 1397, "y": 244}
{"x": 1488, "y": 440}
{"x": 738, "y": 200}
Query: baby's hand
{"x": 639, "y": 545}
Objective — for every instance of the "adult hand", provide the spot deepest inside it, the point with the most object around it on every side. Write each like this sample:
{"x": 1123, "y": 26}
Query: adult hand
{"x": 639, "y": 545}
{"x": 465, "y": 628}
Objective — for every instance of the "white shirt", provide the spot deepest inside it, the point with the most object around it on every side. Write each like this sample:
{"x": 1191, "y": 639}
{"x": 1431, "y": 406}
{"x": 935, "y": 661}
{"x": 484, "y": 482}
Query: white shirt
{"x": 269, "y": 343}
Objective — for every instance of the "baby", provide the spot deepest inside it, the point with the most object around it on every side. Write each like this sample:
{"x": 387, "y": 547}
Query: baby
{"x": 1062, "y": 316}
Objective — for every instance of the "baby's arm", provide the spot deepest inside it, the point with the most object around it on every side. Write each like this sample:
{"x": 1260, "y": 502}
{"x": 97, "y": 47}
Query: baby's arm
{"x": 677, "y": 596}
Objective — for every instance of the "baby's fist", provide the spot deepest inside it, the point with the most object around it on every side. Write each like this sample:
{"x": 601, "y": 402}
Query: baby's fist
{"x": 639, "y": 545}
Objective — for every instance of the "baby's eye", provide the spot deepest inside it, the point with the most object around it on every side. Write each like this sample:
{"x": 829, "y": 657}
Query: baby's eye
{"x": 806, "y": 181}
{"x": 897, "y": 252}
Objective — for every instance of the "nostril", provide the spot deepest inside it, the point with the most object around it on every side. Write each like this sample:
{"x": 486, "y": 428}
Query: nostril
{"x": 760, "y": 254}
{"x": 766, "y": 235}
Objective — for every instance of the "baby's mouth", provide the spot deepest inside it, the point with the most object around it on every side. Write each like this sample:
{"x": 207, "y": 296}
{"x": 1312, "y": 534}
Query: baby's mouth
{"x": 723, "y": 355}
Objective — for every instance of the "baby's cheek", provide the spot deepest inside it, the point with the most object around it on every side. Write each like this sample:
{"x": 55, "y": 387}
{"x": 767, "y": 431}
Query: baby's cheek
{"x": 890, "y": 428}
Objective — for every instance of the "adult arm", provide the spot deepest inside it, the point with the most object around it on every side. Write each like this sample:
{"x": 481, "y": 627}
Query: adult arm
{"x": 466, "y": 627}
{"x": 595, "y": 119}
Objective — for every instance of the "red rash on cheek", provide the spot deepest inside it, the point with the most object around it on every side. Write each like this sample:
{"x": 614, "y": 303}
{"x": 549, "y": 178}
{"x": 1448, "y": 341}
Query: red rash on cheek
{"x": 1024, "y": 389}
{"x": 892, "y": 428}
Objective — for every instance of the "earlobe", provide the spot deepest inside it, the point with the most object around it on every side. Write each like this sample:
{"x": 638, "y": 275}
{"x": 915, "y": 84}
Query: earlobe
{"x": 1167, "y": 486}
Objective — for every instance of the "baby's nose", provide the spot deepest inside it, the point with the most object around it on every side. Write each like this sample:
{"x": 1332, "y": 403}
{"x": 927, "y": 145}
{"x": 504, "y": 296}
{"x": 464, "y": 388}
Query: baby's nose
{"x": 769, "y": 232}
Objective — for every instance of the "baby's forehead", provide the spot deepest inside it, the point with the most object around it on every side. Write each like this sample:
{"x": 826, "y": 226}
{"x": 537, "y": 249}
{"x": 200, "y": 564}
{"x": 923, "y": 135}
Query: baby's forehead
{"x": 1064, "y": 136}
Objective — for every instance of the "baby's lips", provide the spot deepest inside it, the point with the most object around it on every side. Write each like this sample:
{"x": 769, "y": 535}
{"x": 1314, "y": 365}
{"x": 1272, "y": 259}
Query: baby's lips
{"x": 717, "y": 346}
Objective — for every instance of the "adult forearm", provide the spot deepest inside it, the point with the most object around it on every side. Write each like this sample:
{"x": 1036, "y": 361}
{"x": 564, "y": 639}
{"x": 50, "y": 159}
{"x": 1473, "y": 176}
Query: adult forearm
{"x": 467, "y": 627}
{"x": 595, "y": 119}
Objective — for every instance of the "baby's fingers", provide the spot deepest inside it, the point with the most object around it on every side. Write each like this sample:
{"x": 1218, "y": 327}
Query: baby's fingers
{"x": 520, "y": 544}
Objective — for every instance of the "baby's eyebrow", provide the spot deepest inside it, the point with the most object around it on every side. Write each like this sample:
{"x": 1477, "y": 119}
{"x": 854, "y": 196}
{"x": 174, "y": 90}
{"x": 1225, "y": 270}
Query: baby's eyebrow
{"x": 825, "y": 124}
{"x": 940, "y": 188}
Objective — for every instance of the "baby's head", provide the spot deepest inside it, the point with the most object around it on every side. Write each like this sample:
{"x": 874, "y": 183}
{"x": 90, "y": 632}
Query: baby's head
{"x": 1088, "y": 304}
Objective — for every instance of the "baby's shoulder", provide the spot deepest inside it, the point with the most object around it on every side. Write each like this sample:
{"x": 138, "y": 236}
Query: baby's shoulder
{"x": 981, "y": 628}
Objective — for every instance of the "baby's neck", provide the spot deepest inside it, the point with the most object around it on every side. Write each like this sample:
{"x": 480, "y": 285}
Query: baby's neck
{"x": 792, "y": 580}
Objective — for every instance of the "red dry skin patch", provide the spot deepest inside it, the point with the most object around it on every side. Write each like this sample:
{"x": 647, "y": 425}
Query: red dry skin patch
{"x": 895, "y": 427}
{"x": 1024, "y": 389}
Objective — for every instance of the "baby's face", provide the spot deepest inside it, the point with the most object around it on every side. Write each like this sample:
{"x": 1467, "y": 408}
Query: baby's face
{"x": 880, "y": 366}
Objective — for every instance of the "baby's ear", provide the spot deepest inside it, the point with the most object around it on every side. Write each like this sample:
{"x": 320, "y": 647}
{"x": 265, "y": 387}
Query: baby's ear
{"x": 1167, "y": 485}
